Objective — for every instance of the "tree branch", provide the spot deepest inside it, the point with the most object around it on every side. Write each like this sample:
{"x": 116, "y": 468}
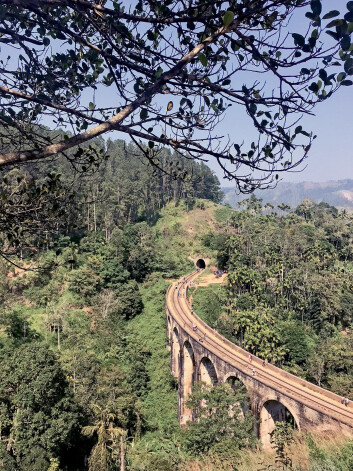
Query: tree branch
{"x": 112, "y": 123}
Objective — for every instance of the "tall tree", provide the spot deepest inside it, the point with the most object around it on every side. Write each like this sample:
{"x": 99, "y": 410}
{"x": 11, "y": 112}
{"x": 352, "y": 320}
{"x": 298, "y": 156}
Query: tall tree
{"x": 220, "y": 425}
{"x": 38, "y": 415}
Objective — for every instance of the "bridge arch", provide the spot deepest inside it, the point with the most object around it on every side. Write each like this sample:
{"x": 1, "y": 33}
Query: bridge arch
{"x": 200, "y": 263}
{"x": 272, "y": 411}
{"x": 237, "y": 384}
{"x": 232, "y": 378}
{"x": 188, "y": 377}
{"x": 207, "y": 372}
{"x": 175, "y": 353}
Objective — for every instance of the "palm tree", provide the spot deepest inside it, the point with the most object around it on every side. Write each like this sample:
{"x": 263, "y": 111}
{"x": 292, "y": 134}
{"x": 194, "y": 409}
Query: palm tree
{"x": 107, "y": 446}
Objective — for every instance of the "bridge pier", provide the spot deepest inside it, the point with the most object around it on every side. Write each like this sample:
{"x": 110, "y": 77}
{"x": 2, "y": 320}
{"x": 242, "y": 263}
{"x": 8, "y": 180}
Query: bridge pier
{"x": 187, "y": 379}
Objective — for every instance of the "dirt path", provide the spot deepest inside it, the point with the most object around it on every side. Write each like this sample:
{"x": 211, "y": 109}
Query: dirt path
{"x": 212, "y": 279}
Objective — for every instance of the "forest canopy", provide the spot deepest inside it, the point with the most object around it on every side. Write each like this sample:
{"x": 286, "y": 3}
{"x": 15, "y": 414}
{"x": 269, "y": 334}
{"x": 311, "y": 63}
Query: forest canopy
{"x": 83, "y": 340}
{"x": 41, "y": 201}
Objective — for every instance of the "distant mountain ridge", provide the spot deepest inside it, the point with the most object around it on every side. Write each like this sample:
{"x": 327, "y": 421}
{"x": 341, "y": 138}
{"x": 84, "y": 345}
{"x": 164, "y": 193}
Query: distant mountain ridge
{"x": 338, "y": 193}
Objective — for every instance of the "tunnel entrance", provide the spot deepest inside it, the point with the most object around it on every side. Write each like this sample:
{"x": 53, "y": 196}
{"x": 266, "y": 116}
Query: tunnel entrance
{"x": 272, "y": 412}
{"x": 201, "y": 263}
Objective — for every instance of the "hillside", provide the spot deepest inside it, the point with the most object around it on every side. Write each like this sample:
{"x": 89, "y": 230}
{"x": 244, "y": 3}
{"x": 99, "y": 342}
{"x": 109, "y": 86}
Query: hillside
{"x": 336, "y": 193}
{"x": 87, "y": 332}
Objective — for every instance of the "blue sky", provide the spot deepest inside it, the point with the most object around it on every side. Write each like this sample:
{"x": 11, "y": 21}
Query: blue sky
{"x": 331, "y": 155}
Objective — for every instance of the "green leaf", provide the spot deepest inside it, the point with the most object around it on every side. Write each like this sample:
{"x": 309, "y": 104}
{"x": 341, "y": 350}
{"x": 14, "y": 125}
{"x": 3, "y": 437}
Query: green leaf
{"x": 348, "y": 66}
{"x": 214, "y": 107}
{"x": 346, "y": 42}
{"x": 314, "y": 87}
{"x": 91, "y": 106}
{"x": 331, "y": 14}
{"x": 235, "y": 46}
{"x": 335, "y": 36}
{"x": 315, "y": 34}
{"x": 158, "y": 72}
{"x": 252, "y": 108}
{"x": 228, "y": 18}
{"x": 298, "y": 39}
{"x": 316, "y": 7}
{"x": 347, "y": 83}
{"x": 144, "y": 113}
{"x": 334, "y": 23}
{"x": 60, "y": 35}
{"x": 202, "y": 59}
{"x": 341, "y": 76}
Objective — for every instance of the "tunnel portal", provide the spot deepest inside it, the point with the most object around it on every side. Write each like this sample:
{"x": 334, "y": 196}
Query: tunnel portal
{"x": 201, "y": 263}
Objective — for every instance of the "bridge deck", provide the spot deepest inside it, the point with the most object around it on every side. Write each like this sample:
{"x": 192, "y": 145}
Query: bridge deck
{"x": 298, "y": 389}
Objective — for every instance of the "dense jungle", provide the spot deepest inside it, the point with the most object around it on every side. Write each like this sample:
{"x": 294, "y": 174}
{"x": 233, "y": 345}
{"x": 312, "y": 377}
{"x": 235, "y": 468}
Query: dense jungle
{"x": 85, "y": 381}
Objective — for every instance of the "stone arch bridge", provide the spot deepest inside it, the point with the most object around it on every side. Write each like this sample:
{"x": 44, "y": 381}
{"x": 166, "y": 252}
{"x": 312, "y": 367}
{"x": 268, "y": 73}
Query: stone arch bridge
{"x": 274, "y": 393}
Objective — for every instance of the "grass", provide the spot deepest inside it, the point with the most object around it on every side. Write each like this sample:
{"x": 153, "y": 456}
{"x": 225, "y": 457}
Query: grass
{"x": 317, "y": 452}
{"x": 181, "y": 231}
{"x": 308, "y": 452}
{"x": 222, "y": 214}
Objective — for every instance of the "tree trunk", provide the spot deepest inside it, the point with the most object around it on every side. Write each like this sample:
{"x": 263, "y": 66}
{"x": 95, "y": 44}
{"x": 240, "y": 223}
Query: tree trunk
{"x": 94, "y": 216}
{"x": 59, "y": 346}
{"x": 74, "y": 374}
{"x": 122, "y": 454}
